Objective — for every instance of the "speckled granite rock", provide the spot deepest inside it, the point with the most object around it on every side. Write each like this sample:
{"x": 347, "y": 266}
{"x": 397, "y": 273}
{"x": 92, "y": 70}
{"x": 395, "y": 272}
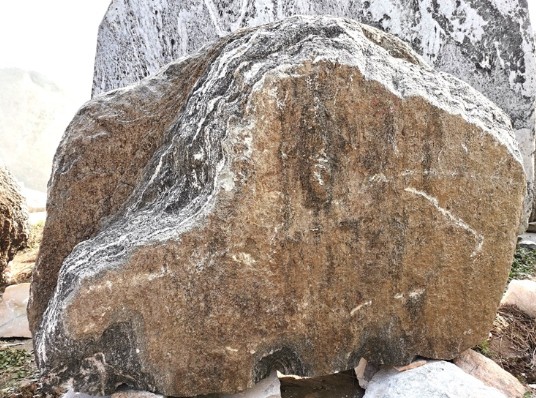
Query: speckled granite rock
{"x": 486, "y": 43}
{"x": 280, "y": 200}
{"x": 14, "y": 230}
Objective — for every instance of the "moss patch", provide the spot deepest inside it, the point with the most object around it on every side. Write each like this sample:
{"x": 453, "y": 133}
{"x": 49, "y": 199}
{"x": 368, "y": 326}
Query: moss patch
{"x": 524, "y": 264}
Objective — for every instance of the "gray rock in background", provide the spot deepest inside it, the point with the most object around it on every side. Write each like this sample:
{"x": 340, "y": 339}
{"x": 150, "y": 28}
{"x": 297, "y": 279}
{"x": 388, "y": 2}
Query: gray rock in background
{"x": 488, "y": 44}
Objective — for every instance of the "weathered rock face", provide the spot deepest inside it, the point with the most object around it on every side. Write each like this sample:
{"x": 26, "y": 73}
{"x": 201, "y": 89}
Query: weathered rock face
{"x": 488, "y": 44}
{"x": 14, "y": 230}
{"x": 280, "y": 200}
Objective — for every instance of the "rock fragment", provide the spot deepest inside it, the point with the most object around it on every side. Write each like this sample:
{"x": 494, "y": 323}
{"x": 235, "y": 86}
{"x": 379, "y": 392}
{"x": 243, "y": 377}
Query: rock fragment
{"x": 435, "y": 379}
{"x": 490, "y": 373}
{"x": 522, "y": 294}
{"x": 13, "y": 319}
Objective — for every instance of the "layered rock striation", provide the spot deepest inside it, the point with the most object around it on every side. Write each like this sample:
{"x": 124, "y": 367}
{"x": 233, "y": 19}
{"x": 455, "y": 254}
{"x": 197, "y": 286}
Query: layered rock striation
{"x": 293, "y": 197}
{"x": 488, "y": 44}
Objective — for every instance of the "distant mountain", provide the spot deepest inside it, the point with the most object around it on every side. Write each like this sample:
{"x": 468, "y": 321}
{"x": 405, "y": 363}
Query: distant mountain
{"x": 34, "y": 112}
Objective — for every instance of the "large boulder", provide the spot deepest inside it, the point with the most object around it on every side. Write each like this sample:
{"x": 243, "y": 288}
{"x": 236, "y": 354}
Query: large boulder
{"x": 14, "y": 229}
{"x": 487, "y": 43}
{"x": 296, "y": 196}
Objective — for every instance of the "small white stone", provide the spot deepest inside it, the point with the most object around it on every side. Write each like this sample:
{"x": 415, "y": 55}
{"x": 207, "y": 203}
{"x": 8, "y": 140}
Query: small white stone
{"x": 522, "y": 294}
{"x": 13, "y": 319}
{"x": 435, "y": 379}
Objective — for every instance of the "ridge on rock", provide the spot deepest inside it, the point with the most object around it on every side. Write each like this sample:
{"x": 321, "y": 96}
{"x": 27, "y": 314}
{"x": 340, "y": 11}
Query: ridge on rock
{"x": 281, "y": 199}
{"x": 486, "y": 43}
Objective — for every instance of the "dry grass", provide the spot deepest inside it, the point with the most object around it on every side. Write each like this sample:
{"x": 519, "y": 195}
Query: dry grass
{"x": 512, "y": 343}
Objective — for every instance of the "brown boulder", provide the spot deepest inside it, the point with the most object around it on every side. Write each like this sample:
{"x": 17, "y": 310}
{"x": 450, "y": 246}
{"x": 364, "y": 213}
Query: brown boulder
{"x": 14, "y": 230}
{"x": 293, "y": 198}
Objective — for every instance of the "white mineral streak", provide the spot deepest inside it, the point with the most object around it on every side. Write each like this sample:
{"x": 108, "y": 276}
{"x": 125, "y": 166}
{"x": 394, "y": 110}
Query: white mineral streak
{"x": 360, "y": 306}
{"x": 142, "y": 223}
{"x": 455, "y": 220}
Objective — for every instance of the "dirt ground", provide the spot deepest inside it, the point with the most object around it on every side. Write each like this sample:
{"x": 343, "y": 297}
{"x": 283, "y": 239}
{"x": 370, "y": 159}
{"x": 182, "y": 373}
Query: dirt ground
{"x": 18, "y": 373}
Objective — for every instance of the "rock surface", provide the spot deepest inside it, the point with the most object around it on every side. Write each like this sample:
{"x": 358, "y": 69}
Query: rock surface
{"x": 14, "y": 230}
{"x": 34, "y": 113}
{"x": 491, "y": 374}
{"x": 522, "y": 294}
{"x": 281, "y": 200}
{"x": 13, "y": 319}
{"x": 487, "y": 43}
{"x": 435, "y": 379}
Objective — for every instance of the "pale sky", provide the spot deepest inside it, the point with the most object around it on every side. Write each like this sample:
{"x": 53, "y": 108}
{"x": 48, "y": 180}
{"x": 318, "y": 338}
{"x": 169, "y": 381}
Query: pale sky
{"x": 58, "y": 38}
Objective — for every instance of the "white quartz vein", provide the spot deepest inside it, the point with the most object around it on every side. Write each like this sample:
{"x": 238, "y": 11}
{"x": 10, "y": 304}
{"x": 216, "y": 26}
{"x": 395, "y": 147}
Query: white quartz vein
{"x": 455, "y": 220}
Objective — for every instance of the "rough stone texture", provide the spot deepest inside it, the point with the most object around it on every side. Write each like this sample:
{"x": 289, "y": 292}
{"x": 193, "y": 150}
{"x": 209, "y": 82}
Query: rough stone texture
{"x": 491, "y": 374}
{"x": 13, "y": 319}
{"x": 14, "y": 228}
{"x": 487, "y": 43}
{"x": 522, "y": 294}
{"x": 282, "y": 200}
{"x": 433, "y": 380}
{"x": 34, "y": 113}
